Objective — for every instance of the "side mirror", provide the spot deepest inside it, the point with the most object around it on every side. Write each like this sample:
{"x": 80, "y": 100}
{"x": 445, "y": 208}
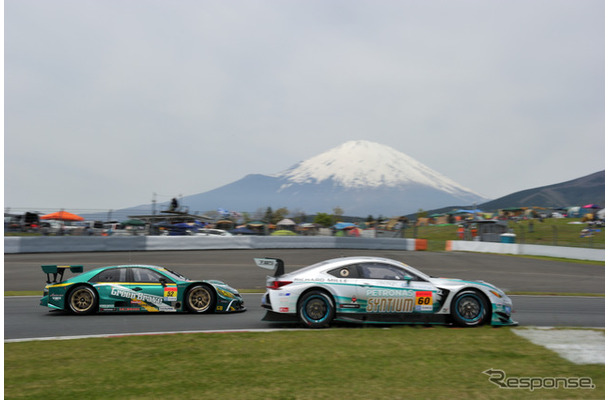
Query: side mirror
{"x": 163, "y": 281}
{"x": 408, "y": 279}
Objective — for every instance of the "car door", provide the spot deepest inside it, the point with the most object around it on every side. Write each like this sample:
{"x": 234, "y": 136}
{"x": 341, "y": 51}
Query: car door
{"x": 109, "y": 284}
{"x": 345, "y": 285}
{"x": 148, "y": 290}
{"x": 387, "y": 289}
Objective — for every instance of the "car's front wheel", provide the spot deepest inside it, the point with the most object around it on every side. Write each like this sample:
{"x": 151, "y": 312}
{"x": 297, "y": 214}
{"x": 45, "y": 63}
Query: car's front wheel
{"x": 200, "y": 299}
{"x": 82, "y": 300}
{"x": 469, "y": 308}
{"x": 316, "y": 309}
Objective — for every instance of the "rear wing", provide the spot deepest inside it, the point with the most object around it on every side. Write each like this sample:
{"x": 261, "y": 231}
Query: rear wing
{"x": 271, "y": 264}
{"x": 58, "y": 271}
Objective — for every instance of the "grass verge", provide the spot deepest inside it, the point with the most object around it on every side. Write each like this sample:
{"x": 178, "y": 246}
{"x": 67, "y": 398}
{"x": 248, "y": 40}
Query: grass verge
{"x": 367, "y": 363}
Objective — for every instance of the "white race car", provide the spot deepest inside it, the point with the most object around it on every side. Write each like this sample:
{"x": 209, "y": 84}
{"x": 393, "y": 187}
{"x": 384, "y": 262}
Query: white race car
{"x": 378, "y": 290}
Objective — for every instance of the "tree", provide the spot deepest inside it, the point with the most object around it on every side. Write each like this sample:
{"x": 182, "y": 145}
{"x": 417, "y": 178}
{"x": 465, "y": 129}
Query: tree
{"x": 338, "y": 213}
{"x": 279, "y": 215}
{"x": 324, "y": 219}
{"x": 299, "y": 216}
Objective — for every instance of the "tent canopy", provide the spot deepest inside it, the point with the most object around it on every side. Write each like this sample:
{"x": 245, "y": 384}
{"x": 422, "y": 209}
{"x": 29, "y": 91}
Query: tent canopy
{"x": 63, "y": 216}
{"x": 464, "y": 212}
{"x": 344, "y": 225}
{"x": 283, "y": 232}
{"x": 134, "y": 222}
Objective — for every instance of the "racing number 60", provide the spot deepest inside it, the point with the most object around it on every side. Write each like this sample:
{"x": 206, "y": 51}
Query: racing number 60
{"x": 424, "y": 300}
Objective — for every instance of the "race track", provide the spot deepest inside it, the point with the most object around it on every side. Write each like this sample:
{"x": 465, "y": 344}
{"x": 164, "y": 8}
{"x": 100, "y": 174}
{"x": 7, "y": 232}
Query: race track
{"x": 22, "y": 271}
{"x": 24, "y": 318}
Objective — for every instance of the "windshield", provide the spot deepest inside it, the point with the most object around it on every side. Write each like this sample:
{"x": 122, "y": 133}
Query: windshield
{"x": 174, "y": 275}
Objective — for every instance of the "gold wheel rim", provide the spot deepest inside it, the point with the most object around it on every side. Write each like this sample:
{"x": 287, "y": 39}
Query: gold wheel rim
{"x": 81, "y": 300}
{"x": 200, "y": 299}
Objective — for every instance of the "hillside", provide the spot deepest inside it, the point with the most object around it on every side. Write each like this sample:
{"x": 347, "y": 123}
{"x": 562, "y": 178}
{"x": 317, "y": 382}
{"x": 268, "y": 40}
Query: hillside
{"x": 589, "y": 189}
{"x": 577, "y": 192}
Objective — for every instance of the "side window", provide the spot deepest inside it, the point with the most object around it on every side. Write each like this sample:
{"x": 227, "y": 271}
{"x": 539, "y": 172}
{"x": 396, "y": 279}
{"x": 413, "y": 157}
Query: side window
{"x": 145, "y": 275}
{"x": 110, "y": 275}
{"x": 383, "y": 271}
{"x": 347, "y": 272}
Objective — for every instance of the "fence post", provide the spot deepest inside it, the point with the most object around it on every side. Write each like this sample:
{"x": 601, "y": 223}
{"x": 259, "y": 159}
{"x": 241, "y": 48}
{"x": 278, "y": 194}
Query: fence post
{"x": 522, "y": 229}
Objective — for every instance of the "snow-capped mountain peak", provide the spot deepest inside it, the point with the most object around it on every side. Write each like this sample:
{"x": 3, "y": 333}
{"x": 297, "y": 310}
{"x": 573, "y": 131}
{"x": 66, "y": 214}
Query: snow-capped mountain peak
{"x": 363, "y": 164}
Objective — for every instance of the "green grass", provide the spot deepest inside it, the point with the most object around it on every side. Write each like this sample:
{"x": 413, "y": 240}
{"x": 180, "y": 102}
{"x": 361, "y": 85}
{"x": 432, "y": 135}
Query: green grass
{"x": 551, "y": 232}
{"x": 23, "y": 293}
{"x": 367, "y": 363}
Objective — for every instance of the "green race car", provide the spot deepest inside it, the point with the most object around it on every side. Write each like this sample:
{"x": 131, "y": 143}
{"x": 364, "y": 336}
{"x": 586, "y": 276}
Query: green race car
{"x": 135, "y": 288}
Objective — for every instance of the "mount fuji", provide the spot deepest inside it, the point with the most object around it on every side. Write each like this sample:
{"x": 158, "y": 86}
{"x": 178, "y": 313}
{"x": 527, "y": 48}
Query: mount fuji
{"x": 361, "y": 177}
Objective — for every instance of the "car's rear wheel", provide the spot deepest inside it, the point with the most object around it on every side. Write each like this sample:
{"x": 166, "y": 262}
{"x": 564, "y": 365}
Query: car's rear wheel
{"x": 469, "y": 308}
{"x": 316, "y": 309}
{"x": 82, "y": 300}
{"x": 200, "y": 299}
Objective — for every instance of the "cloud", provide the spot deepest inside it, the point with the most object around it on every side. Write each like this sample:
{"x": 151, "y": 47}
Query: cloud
{"x": 141, "y": 97}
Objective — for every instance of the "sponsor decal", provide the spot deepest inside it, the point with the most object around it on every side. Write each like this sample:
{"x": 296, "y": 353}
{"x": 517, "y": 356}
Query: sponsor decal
{"x": 142, "y": 299}
{"x": 349, "y": 305}
{"x": 423, "y": 301}
{"x": 389, "y": 305}
{"x": 390, "y": 301}
{"x": 389, "y": 293}
{"x": 284, "y": 309}
{"x": 170, "y": 293}
{"x": 129, "y": 294}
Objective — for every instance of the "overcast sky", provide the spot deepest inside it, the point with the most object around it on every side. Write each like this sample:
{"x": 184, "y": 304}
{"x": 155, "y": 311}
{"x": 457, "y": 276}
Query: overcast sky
{"x": 110, "y": 101}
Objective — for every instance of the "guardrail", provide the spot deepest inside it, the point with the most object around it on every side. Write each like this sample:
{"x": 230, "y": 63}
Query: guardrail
{"x": 68, "y": 244}
{"x": 71, "y": 244}
{"x": 576, "y": 253}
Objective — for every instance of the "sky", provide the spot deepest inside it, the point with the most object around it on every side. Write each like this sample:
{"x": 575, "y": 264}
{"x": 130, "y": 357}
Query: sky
{"x": 111, "y": 103}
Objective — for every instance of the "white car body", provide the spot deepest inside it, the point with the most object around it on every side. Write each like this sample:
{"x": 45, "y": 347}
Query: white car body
{"x": 378, "y": 290}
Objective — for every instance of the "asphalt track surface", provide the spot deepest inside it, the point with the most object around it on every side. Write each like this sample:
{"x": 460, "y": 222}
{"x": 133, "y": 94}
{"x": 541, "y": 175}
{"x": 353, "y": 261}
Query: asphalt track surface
{"x": 24, "y": 318}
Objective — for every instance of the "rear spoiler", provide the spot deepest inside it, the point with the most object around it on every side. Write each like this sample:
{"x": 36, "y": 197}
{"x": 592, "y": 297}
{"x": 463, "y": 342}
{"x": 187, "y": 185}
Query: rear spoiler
{"x": 58, "y": 271}
{"x": 271, "y": 263}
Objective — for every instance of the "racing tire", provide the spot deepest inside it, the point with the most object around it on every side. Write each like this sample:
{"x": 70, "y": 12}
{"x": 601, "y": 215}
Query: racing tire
{"x": 200, "y": 299}
{"x": 82, "y": 300}
{"x": 316, "y": 309}
{"x": 469, "y": 308}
